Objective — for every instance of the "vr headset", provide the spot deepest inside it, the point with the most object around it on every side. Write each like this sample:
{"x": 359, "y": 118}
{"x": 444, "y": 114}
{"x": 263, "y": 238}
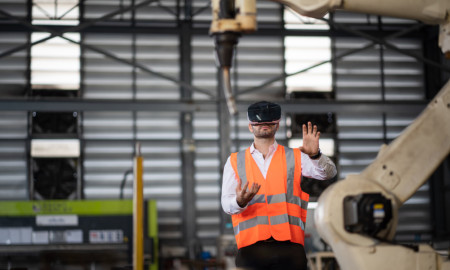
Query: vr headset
{"x": 264, "y": 112}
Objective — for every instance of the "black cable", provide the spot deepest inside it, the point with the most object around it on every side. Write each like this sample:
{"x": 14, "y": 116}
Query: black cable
{"x": 124, "y": 180}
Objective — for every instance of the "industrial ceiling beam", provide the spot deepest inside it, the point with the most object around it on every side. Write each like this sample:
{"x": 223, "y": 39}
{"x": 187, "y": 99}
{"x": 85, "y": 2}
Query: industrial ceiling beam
{"x": 382, "y": 41}
{"x": 297, "y": 106}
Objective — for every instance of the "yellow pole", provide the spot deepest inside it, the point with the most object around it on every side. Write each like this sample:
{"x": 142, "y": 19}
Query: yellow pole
{"x": 138, "y": 204}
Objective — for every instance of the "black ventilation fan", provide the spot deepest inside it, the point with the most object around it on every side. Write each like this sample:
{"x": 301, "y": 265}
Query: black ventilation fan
{"x": 55, "y": 178}
{"x": 54, "y": 93}
{"x": 308, "y": 95}
{"x": 325, "y": 122}
{"x": 50, "y": 123}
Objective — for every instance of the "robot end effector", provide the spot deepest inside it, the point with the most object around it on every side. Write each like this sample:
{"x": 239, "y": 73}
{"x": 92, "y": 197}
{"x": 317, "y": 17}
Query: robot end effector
{"x": 230, "y": 19}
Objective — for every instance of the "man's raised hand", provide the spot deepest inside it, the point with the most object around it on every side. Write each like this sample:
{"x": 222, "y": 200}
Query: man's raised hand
{"x": 310, "y": 140}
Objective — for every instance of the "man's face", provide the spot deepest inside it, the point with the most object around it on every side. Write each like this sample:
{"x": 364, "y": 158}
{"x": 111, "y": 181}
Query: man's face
{"x": 264, "y": 130}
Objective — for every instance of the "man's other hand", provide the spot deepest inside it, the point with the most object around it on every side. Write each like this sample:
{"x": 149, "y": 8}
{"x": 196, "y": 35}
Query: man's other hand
{"x": 245, "y": 195}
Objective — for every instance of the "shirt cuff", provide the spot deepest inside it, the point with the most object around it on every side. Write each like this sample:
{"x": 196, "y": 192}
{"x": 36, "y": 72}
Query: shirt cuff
{"x": 328, "y": 166}
{"x": 315, "y": 161}
{"x": 236, "y": 206}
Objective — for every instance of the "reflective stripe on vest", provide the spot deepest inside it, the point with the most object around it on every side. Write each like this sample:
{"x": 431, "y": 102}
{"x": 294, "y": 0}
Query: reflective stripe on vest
{"x": 288, "y": 197}
{"x": 264, "y": 220}
{"x": 259, "y": 198}
{"x": 258, "y": 220}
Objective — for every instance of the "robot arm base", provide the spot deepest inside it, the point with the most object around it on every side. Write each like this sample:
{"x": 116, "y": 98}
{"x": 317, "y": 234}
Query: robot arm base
{"x": 355, "y": 248}
{"x": 386, "y": 256}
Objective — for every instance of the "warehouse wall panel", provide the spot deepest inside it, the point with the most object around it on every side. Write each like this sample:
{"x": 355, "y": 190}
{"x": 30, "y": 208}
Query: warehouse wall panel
{"x": 13, "y": 156}
{"x": 16, "y": 8}
{"x": 13, "y": 67}
{"x": 204, "y": 75}
{"x": 379, "y": 73}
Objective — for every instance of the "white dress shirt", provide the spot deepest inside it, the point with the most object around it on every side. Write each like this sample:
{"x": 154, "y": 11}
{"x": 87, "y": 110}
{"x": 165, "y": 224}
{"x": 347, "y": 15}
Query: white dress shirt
{"x": 320, "y": 169}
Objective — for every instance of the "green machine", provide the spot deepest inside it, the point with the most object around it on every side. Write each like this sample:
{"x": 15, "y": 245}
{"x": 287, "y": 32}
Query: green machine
{"x": 59, "y": 234}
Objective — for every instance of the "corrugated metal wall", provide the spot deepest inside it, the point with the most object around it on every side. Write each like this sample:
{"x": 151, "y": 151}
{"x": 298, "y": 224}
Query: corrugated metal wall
{"x": 379, "y": 74}
{"x": 13, "y": 155}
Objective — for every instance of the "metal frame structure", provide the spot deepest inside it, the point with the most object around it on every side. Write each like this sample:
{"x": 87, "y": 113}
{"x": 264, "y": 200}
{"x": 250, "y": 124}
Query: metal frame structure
{"x": 186, "y": 105}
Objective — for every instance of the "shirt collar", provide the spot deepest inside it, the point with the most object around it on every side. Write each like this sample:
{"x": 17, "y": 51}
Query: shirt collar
{"x": 272, "y": 148}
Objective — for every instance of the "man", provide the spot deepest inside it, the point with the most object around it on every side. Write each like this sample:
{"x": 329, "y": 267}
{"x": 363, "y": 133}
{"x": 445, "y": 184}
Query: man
{"x": 261, "y": 190}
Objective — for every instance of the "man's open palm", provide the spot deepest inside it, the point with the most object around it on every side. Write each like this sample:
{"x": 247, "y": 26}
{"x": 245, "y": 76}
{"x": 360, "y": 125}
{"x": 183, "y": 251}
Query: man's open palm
{"x": 310, "y": 139}
{"x": 245, "y": 195}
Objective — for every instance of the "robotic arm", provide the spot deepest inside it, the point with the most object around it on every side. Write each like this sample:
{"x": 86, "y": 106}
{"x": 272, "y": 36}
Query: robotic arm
{"x": 427, "y": 11}
{"x": 357, "y": 217}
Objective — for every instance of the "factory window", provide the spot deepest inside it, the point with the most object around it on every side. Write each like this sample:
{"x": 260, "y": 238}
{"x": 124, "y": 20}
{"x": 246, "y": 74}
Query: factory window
{"x": 55, "y": 63}
{"x": 59, "y": 12}
{"x": 307, "y": 58}
{"x": 302, "y": 55}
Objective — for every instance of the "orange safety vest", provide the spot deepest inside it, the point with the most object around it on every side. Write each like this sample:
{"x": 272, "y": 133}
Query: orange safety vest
{"x": 279, "y": 208}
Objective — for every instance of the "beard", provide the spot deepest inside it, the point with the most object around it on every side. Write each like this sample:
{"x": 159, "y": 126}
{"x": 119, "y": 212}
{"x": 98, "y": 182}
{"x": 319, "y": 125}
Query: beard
{"x": 265, "y": 133}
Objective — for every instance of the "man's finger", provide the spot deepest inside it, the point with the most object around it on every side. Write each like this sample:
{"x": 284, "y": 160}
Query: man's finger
{"x": 244, "y": 189}
{"x": 256, "y": 188}
{"x": 304, "y": 130}
{"x": 314, "y": 130}
{"x": 309, "y": 127}
{"x": 239, "y": 187}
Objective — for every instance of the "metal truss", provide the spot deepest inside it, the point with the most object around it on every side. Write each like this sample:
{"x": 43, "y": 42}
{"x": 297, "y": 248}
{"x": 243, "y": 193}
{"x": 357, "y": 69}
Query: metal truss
{"x": 294, "y": 106}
